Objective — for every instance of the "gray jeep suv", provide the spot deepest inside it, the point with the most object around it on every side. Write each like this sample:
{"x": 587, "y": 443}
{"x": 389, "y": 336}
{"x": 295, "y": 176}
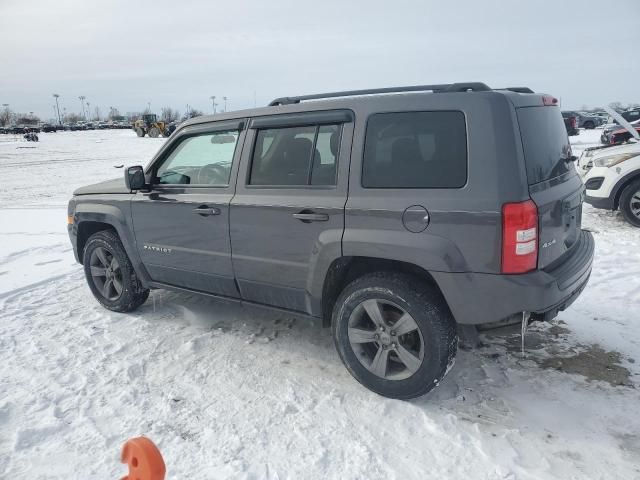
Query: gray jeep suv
{"x": 394, "y": 215}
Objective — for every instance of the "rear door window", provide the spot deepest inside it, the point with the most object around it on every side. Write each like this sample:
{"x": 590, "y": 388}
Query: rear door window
{"x": 415, "y": 150}
{"x": 296, "y": 156}
{"x": 547, "y": 152}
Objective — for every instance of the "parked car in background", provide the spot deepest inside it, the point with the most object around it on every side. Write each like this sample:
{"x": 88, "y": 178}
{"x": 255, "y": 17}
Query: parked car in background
{"x": 631, "y": 115}
{"x": 570, "y": 123}
{"x": 622, "y": 135}
{"x": 611, "y": 176}
{"x": 583, "y": 120}
{"x": 48, "y": 128}
{"x": 615, "y": 128}
{"x": 589, "y": 120}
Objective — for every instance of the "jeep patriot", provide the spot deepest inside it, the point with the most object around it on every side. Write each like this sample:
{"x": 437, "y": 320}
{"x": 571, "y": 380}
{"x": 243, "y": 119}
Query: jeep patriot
{"x": 394, "y": 215}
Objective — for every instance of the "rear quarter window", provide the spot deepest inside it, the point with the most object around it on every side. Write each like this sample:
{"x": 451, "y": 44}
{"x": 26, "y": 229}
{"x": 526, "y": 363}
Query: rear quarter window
{"x": 547, "y": 152}
{"x": 415, "y": 150}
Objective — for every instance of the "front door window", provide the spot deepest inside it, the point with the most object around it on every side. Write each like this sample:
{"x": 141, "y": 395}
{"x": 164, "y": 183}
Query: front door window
{"x": 200, "y": 160}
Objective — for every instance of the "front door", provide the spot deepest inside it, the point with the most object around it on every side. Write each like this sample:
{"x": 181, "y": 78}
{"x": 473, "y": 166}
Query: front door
{"x": 182, "y": 223}
{"x": 287, "y": 216}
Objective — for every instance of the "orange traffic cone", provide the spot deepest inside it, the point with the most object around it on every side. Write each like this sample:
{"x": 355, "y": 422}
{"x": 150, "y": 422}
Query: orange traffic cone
{"x": 144, "y": 460}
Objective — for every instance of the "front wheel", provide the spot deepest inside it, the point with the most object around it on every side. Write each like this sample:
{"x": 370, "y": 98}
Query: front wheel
{"x": 110, "y": 274}
{"x": 630, "y": 203}
{"x": 139, "y": 132}
{"x": 154, "y": 132}
{"x": 395, "y": 334}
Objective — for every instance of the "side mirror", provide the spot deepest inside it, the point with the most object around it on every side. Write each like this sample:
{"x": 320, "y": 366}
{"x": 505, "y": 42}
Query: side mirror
{"x": 134, "y": 178}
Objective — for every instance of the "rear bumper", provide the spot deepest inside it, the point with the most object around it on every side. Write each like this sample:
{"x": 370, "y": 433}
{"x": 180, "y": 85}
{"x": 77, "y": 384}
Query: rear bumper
{"x": 476, "y": 298}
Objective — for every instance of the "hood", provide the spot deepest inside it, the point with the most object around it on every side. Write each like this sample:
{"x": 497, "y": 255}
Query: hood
{"x": 591, "y": 154}
{"x": 116, "y": 185}
{"x": 619, "y": 149}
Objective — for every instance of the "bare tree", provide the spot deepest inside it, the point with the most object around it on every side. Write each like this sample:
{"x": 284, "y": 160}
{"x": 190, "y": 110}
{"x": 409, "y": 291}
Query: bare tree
{"x": 5, "y": 116}
{"x": 169, "y": 115}
{"x": 617, "y": 106}
{"x": 96, "y": 114}
{"x": 73, "y": 118}
{"x": 192, "y": 113}
{"x": 26, "y": 119}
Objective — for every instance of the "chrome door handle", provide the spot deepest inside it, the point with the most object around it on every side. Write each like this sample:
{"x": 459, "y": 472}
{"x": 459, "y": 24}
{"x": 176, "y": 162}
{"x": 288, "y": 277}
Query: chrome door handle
{"x": 205, "y": 211}
{"x": 311, "y": 217}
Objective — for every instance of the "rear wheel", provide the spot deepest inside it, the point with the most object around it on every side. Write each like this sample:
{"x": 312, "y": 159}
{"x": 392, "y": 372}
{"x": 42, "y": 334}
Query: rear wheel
{"x": 139, "y": 132}
{"x": 394, "y": 334}
{"x": 154, "y": 132}
{"x": 110, "y": 274}
{"x": 630, "y": 203}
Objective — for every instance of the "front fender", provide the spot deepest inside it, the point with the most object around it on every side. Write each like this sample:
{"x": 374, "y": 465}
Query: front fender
{"x": 116, "y": 213}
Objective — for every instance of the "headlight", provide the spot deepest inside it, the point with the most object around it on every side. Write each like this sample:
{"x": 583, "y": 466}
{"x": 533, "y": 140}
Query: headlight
{"x": 611, "y": 160}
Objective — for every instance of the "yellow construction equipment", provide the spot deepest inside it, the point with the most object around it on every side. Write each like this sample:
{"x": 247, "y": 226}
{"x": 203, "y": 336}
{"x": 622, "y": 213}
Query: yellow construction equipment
{"x": 150, "y": 125}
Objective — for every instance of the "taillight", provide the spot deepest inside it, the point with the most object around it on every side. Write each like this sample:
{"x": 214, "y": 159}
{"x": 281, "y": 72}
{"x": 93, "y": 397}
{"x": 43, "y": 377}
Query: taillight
{"x": 574, "y": 121}
{"x": 519, "y": 237}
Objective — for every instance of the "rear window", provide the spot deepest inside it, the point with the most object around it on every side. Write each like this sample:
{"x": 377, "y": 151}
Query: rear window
{"x": 415, "y": 150}
{"x": 547, "y": 151}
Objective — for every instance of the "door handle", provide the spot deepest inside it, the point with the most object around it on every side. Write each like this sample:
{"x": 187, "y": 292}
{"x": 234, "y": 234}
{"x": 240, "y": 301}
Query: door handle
{"x": 205, "y": 211}
{"x": 308, "y": 217}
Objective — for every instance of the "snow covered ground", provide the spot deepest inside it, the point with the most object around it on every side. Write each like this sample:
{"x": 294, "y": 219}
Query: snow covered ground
{"x": 236, "y": 392}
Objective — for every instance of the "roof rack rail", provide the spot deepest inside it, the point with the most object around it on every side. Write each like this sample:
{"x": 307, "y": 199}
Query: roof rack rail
{"x": 445, "y": 87}
{"x": 518, "y": 89}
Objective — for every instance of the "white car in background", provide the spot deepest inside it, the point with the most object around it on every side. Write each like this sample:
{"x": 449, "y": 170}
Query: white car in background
{"x": 611, "y": 175}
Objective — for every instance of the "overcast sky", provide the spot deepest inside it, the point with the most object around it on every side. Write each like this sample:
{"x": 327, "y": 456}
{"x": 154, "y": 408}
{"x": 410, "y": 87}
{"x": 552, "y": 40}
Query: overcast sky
{"x": 172, "y": 53}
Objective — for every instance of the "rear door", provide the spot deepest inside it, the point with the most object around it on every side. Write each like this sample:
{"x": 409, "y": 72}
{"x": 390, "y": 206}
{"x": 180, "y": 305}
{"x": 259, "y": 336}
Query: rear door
{"x": 554, "y": 184}
{"x": 287, "y": 217}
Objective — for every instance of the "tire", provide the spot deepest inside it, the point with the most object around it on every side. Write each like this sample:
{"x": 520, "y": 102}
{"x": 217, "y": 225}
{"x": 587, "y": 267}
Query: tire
{"x": 105, "y": 248}
{"x": 431, "y": 339}
{"x": 630, "y": 203}
{"x": 139, "y": 132}
{"x": 154, "y": 132}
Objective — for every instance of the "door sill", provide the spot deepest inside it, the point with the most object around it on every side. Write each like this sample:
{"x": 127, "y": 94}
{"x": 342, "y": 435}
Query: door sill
{"x": 166, "y": 286}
